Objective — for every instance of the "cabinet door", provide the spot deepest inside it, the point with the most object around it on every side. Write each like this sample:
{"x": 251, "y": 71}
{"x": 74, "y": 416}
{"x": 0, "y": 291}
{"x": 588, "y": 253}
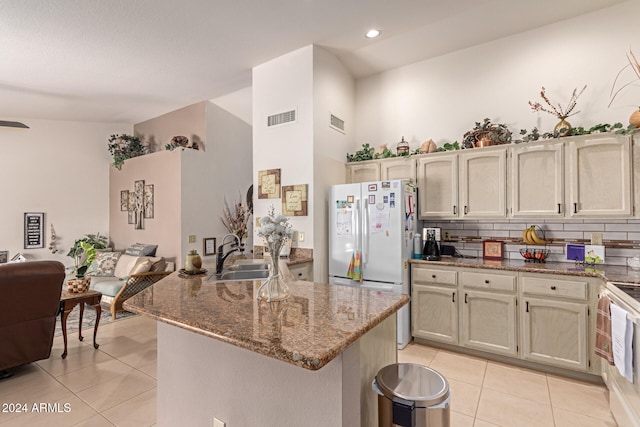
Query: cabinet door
{"x": 363, "y": 172}
{"x": 600, "y": 177}
{"x": 537, "y": 179}
{"x": 489, "y": 322}
{"x": 554, "y": 333}
{"x": 438, "y": 186}
{"x": 483, "y": 183}
{"x": 403, "y": 168}
{"x": 434, "y": 313}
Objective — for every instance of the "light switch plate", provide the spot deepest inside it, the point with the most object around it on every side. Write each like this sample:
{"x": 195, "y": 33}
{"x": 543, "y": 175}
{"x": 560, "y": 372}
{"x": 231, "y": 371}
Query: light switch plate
{"x": 192, "y": 238}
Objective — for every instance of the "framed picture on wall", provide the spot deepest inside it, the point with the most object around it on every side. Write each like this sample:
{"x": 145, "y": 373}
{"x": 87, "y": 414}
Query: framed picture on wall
{"x": 492, "y": 249}
{"x": 33, "y": 230}
{"x": 209, "y": 246}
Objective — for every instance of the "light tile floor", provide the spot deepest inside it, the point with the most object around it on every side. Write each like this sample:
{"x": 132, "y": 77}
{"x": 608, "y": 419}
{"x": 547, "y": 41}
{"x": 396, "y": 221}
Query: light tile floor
{"x": 116, "y": 385}
{"x": 488, "y": 394}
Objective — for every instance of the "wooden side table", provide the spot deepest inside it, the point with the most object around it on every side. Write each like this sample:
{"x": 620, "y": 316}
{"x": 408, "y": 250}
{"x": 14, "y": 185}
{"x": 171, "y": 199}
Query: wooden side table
{"x": 68, "y": 301}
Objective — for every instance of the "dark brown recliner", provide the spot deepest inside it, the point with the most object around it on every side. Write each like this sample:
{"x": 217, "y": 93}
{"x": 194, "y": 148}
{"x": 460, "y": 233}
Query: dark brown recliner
{"x": 29, "y": 303}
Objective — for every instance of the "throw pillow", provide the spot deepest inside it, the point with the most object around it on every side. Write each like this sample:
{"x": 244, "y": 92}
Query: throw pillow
{"x": 159, "y": 264}
{"x": 106, "y": 263}
{"x": 142, "y": 266}
{"x": 125, "y": 264}
{"x": 141, "y": 249}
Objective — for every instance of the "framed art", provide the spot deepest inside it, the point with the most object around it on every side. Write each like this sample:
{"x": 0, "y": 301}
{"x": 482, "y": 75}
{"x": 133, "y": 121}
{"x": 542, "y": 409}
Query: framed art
{"x": 33, "y": 230}
{"x": 269, "y": 184}
{"x": 493, "y": 249}
{"x": 294, "y": 200}
{"x": 148, "y": 201}
{"x": 4, "y": 257}
{"x": 124, "y": 200}
{"x": 209, "y": 246}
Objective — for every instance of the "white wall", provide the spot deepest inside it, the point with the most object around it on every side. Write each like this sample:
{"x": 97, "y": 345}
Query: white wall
{"x": 333, "y": 93}
{"x": 60, "y": 168}
{"x": 280, "y": 85}
{"x": 443, "y": 97}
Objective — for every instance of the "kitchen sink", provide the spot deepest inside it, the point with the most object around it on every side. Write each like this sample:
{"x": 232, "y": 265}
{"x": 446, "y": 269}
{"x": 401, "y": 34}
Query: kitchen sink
{"x": 240, "y": 275}
{"x": 237, "y": 266}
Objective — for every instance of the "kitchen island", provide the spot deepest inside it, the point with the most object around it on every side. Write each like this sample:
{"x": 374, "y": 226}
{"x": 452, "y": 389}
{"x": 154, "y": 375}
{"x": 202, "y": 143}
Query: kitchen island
{"x": 308, "y": 361}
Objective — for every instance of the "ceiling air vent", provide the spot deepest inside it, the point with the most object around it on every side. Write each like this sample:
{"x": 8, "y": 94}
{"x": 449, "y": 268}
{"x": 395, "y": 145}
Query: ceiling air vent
{"x": 282, "y": 118}
{"x": 337, "y": 123}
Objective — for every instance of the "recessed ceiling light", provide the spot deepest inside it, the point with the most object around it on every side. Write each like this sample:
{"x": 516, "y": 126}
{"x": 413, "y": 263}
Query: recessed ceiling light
{"x": 372, "y": 34}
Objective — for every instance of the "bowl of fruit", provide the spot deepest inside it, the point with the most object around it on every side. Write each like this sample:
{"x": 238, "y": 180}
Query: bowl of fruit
{"x": 534, "y": 255}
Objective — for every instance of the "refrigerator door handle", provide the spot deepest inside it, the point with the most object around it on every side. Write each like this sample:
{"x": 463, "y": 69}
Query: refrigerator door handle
{"x": 356, "y": 227}
{"x": 365, "y": 233}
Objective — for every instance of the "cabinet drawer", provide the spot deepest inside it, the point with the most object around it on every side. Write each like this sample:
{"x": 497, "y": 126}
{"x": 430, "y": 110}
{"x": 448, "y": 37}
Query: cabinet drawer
{"x": 302, "y": 271}
{"x": 428, "y": 275}
{"x": 551, "y": 287}
{"x": 497, "y": 282}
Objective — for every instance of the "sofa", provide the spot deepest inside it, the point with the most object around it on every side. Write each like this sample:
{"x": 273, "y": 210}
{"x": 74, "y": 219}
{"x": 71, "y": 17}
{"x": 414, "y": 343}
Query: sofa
{"x": 119, "y": 276}
{"x": 29, "y": 303}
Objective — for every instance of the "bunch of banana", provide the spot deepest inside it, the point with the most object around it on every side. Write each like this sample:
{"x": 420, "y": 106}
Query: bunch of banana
{"x": 531, "y": 238}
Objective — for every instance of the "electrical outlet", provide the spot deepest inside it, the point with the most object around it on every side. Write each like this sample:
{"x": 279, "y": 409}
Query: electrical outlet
{"x": 446, "y": 235}
{"x": 218, "y": 423}
{"x": 300, "y": 236}
{"x": 596, "y": 238}
{"x": 192, "y": 238}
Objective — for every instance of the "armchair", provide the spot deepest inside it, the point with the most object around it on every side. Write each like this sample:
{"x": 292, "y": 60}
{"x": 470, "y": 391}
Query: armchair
{"x": 29, "y": 304}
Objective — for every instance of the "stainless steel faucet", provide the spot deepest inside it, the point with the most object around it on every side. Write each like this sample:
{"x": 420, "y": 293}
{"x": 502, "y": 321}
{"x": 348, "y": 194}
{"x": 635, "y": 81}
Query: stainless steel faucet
{"x": 221, "y": 256}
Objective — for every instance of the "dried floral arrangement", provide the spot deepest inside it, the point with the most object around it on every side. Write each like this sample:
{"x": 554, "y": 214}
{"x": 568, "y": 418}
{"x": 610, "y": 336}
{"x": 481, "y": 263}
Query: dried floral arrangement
{"x": 635, "y": 66}
{"x": 558, "y": 111}
{"x": 236, "y": 221}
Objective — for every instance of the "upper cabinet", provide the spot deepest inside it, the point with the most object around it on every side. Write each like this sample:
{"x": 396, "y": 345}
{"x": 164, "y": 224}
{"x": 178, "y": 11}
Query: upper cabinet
{"x": 363, "y": 171}
{"x": 600, "y": 177}
{"x": 382, "y": 170}
{"x": 467, "y": 185}
{"x": 537, "y": 180}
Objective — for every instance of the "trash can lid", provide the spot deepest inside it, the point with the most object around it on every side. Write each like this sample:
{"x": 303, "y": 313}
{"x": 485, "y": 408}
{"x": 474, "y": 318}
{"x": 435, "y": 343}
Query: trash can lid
{"x": 409, "y": 381}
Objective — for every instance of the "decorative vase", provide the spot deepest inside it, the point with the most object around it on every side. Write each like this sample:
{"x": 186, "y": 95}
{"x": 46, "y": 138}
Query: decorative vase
{"x": 564, "y": 127}
{"x": 193, "y": 262}
{"x": 274, "y": 288}
{"x": 635, "y": 118}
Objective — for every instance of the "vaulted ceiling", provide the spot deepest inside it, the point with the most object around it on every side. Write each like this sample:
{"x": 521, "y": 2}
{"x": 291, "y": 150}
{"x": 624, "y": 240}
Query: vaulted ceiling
{"x": 131, "y": 60}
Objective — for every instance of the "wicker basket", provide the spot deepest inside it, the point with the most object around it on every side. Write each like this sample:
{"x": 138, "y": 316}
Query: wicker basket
{"x": 77, "y": 286}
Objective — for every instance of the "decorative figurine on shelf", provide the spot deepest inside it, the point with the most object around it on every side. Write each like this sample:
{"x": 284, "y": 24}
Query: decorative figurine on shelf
{"x": 402, "y": 149}
{"x": 193, "y": 262}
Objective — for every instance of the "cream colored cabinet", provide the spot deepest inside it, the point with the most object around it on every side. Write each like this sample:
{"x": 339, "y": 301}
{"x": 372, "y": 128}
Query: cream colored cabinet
{"x": 398, "y": 168}
{"x": 303, "y": 271}
{"x": 363, "y": 171}
{"x": 537, "y": 180}
{"x": 554, "y": 321}
{"x": 600, "y": 177}
{"x": 483, "y": 183}
{"x": 488, "y": 312}
{"x": 438, "y": 186}
{"x": 465, "y": 185}
{"x": 434, "y": 307}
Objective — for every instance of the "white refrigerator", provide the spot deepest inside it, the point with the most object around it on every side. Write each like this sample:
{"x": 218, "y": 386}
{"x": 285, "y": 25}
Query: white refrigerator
{"x": 371, "y": 227}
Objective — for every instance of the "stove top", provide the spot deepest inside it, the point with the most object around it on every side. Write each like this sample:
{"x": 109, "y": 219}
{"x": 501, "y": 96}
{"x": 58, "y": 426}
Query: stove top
{"x": 632, "y": 290}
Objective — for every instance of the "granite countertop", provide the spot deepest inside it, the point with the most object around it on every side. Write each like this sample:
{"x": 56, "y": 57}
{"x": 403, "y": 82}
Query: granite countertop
{"x": 317, "y": 323}
{"x": 610, "y": 273}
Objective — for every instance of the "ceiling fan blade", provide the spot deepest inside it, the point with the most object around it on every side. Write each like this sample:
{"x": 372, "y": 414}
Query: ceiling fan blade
{"x": 13, "y": 124}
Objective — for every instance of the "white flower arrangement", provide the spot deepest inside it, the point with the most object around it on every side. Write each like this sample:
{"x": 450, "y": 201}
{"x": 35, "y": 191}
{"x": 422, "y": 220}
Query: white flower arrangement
{"x": 275, "y": 230}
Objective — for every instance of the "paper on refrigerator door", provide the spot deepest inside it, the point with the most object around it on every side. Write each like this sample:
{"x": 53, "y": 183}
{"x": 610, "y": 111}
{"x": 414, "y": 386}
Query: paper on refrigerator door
{"x": 344, "y": 218}
{"x": 379, "y": 220}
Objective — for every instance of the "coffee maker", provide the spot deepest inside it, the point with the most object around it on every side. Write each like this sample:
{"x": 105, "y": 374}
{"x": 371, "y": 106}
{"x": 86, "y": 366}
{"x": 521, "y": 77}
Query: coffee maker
{"x": 431, "y": 251}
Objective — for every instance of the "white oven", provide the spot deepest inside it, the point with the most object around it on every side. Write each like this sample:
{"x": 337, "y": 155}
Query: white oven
{"x": 624, "y": 396}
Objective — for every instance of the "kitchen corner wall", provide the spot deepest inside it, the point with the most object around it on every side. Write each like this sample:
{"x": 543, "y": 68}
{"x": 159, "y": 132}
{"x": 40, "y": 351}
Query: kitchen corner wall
{"x": 315, "y": 84}
{"x": 60, "y": 168}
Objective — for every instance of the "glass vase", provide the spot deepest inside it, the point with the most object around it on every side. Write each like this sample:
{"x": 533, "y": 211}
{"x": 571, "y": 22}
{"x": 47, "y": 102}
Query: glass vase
{"x": 274, "y": 288}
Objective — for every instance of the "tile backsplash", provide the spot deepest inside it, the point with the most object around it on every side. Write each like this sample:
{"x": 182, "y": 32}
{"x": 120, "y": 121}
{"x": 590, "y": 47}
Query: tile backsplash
{"x": 621, "y": 238}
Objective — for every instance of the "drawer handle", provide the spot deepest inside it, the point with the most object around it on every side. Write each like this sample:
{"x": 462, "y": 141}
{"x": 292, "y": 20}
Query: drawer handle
{"x": 486, "y": 281}
{"x": 299, "y": 274}
{"x": 465, "y": 298}
{"x": 553, "y": 288}
{"x": 433, "y": 276}
{"x": 453, "y": 297}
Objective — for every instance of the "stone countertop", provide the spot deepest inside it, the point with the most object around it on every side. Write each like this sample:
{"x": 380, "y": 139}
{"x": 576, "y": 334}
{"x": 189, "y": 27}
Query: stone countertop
{"x": 611, "y": 273}
{"x": 316, "y": 324}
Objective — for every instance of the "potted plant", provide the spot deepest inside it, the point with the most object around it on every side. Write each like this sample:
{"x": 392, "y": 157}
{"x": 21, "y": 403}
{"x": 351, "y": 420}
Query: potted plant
{"x": 84, "y": 251}
{"x": 485, "y": 134}
{"x": 123, "y": 147}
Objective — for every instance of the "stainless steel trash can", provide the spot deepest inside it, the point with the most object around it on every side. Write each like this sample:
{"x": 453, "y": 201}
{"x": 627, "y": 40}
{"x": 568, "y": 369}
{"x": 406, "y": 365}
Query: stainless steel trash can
{"x": 411, "y": 395}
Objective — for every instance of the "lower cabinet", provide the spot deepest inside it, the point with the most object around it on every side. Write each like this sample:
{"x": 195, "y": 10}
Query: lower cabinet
{"x": 539, "y": 317}
{"x": 489, "y": 322}
{"x": 434, "y": 313}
